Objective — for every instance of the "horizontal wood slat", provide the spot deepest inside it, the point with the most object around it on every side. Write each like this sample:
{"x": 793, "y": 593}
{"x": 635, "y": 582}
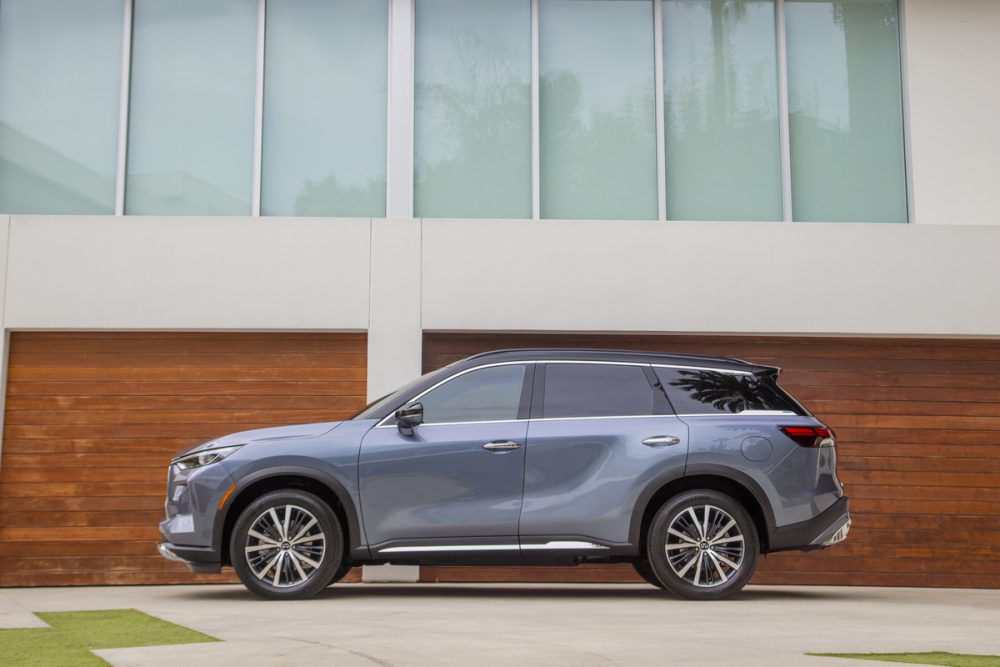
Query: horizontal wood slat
{"x": 918, "y": 426}
{"x": 92, "y": 420}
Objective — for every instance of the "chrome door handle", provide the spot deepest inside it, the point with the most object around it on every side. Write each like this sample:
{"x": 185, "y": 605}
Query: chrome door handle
{"x": 661, "y": 441}
{"x": 502, "y": 446}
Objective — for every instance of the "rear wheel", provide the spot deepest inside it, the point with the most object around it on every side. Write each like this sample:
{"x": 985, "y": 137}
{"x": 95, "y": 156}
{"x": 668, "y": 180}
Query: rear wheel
{"x": 703, "y": 545}
{"x": 287, "y": 545}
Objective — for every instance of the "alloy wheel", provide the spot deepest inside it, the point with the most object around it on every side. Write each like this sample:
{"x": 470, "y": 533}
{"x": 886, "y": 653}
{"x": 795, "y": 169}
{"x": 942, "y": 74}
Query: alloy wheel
{"x": 285, "y": 546}
{"x": 704, "y": 546}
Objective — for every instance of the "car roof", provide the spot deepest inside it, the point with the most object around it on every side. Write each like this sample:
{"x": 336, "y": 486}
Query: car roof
{"x": 633, "y": 356}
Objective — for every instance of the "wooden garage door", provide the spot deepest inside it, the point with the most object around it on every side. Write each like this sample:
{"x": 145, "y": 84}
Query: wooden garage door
{"x": 92, "y": 420}
{"x": 918, "y": 426}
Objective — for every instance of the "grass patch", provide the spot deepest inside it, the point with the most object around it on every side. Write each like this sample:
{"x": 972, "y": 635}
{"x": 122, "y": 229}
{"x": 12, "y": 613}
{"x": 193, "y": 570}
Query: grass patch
{"x": 73, "y": 634}
{"x": 930, "y": 658}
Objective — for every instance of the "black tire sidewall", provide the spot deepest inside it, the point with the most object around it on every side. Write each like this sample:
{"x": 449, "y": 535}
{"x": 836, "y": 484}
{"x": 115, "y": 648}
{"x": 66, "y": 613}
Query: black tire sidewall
{"x": 332, "y": 555}
{"x": 657, "y": 535}
{"x": 645, "y": 570}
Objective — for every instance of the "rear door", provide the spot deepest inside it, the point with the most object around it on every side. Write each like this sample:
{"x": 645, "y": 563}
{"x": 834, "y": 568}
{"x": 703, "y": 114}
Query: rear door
{"x": 600, "y": 433}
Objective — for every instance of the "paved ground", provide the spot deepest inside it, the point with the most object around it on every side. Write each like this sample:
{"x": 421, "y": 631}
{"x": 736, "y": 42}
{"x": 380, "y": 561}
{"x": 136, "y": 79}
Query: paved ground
{"x": 437, "y": 624}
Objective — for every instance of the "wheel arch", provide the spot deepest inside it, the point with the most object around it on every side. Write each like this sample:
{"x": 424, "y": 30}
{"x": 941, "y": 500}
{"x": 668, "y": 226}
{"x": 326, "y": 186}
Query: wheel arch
{"x": 327, "y": 488}
{"x": 724, "y": 480}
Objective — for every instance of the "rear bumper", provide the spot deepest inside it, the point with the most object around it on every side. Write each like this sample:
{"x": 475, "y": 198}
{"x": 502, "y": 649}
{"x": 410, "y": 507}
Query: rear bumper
{"x": 201, "y": 560}
{"x": 824, "y": 530}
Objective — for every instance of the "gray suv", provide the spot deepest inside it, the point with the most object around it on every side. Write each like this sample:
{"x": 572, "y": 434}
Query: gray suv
{"x": 687, "y": 467}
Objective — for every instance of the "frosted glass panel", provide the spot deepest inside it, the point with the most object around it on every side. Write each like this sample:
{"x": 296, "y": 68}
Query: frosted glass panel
{"x": 598, "y": 137}
{"x": 845, "y": 111}
{"x": 60, "y": 65}
{"x": 721, "y": 106}
{"x": 472, "y": 133}
{"x": 325, "y": 108}
{"x": 192, "y": 107}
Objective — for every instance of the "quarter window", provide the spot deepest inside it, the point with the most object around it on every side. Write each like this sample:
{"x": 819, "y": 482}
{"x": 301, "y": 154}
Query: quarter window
{"x": 596, "y": 390}
{"x": 486, "y": 394}
{"x": 694, "y": 391}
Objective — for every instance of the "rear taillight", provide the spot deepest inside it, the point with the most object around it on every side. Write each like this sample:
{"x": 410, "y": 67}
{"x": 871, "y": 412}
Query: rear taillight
{"x": 809, "y": 436}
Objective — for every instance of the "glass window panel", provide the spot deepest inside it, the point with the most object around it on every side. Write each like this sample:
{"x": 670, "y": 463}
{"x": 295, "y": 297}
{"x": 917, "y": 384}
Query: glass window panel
{"x": 711, "y": 392}
{"x": 190, "y": 146}
{"x": 845, "y": 105}
{"x": 597, "y": 125}
{"x": 721, "y": 108}
{"x": 596, "y": 390}
{"x": 60, "y": 77}
{"x": 324, "y": 131}
{"x": 472, "y": 125}
{"x": 488, "y": 394}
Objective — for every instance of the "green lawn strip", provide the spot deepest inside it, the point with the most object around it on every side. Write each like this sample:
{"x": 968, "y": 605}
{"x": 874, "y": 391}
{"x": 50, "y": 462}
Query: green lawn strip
{"x": 73, "y": 634}
{"x": 930, "y": 658}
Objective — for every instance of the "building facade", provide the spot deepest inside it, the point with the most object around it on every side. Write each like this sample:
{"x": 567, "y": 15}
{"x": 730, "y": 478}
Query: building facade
{"x": 238, "y": 213}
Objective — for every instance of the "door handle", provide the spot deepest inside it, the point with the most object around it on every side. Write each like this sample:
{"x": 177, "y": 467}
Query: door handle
{"x": 661, "y": 441}
{"x": 502, "y": 446}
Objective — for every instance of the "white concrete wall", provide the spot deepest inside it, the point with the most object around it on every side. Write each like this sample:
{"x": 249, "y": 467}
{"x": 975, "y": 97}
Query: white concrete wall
{"x": 953, "y": 57}
{"x": 187, "y": 273}
{"x": 833, "y": 278}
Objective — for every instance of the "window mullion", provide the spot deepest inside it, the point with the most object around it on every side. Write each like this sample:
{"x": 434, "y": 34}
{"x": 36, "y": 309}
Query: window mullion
{"x": 783, "y": 117}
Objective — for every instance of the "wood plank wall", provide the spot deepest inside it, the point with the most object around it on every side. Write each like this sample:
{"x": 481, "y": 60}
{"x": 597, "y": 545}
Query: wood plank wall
{"x": 918, "y": 426}
{"x": 92, "y": 420}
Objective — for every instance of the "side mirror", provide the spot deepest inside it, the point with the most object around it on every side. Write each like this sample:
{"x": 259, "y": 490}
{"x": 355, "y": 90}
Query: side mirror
{"x": 408, "y": 416}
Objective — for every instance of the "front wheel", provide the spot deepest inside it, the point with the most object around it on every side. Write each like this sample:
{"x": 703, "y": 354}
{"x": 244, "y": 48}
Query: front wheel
{"x": 287, "y": 545}
{"x": 703, "y": 545}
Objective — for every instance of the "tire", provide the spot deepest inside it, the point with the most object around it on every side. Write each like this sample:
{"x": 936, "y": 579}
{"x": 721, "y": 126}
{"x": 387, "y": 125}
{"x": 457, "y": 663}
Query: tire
{"x": 643, "y": 569}
{"x": 727, "y": 550}
{"x": 276, "y": 563}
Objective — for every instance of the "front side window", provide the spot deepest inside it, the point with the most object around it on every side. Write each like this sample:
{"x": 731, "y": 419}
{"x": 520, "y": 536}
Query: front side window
{"x": 596, "y": 390}
{"x": 693, "y": 391}
{"x": 485, "y": 394}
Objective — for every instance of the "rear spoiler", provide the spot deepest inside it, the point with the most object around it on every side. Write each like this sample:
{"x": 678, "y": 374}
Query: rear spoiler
{"x": 767, "y": 371}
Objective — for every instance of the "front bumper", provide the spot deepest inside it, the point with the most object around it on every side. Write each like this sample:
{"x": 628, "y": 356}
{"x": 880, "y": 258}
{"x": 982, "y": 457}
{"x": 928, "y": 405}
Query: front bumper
{"x": 201, "y": 560}
{"x": 823, "y": 530}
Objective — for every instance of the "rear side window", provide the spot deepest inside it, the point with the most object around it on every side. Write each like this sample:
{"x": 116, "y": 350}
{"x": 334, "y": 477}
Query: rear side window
{"x": 596, "y": 390}
{"x": 712, "y": 392}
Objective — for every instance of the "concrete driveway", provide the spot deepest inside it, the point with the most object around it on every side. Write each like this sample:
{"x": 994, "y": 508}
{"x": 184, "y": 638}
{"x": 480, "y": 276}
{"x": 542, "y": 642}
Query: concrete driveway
{"x": 439, "y": 624}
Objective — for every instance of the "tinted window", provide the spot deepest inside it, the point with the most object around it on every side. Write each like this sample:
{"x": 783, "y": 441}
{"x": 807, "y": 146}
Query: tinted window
{"x": 596, "y": 390}
{"x": 700, "y": 392}
{"x": 487, "y": 394}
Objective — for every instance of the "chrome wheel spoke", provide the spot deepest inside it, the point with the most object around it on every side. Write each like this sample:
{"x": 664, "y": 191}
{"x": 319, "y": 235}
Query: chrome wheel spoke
{"x": 722, "y": 531}
{"x": 704, "y": 546}
{"x": 680, "y": 535}
{"x": 285, "y": 562}
{"x": 263, "y": 538}
{"x": 298, "y": 566}
{"x": 303, "y": 530}
{"x": 718, "y": 567}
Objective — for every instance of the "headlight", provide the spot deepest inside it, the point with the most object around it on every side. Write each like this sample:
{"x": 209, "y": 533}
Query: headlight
{"x": 204, "y": 457}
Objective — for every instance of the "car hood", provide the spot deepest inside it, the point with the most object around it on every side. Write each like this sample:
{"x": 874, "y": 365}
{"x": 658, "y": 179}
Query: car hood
{"x": 274, "y": 434}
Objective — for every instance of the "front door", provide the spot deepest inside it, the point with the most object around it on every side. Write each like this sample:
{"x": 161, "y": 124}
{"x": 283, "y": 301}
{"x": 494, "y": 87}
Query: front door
{"x": 456, "y": 481}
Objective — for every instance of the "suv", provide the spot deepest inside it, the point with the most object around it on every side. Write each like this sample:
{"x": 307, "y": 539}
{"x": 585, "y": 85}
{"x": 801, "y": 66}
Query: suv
{"x": 687, "y": 467}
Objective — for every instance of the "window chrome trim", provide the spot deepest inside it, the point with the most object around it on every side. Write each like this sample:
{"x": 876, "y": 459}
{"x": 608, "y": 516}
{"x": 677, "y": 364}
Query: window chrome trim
{"x": 728, "y": 371}
{"x": 525, "y": 362}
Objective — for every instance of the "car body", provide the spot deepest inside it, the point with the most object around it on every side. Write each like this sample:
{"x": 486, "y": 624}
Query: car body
{"x": 686, "y": 466}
